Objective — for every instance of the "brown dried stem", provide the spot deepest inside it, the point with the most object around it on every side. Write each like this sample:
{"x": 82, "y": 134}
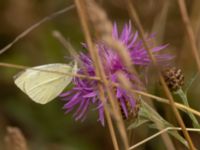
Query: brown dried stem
{"x": 135, "y": 18}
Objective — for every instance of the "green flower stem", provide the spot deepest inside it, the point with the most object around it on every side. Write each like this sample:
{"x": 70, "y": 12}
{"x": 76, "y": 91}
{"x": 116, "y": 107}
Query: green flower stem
{"x": 183, "y": 97}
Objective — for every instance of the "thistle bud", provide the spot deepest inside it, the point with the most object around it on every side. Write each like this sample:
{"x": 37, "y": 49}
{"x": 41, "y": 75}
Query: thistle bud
{"x": 174, "y": 78}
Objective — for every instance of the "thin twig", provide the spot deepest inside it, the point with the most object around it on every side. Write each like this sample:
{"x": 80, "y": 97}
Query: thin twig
{"x": 161, "y": 132}
{"x": 135, "y": 18}
{"x": 34, "y": 26}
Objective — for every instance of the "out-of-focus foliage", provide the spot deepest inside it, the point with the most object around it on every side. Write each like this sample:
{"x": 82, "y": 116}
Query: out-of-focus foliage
{"x": 47, "y": 127}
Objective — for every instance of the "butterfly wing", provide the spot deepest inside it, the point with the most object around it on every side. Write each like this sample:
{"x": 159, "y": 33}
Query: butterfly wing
{"x": 44, "y": 83}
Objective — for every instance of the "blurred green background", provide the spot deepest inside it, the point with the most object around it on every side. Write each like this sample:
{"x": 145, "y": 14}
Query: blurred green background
{"x": 47, "y": 127}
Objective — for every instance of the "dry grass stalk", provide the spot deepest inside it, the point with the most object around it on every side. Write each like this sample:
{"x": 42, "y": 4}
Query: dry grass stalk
{"x": 70, "y": 48}
{"x": 195, "y": 23}
{"x": 195, "y": 18}
{"x": 160, "y": 133}
{"x": 20, "y": 38}
{"x": 73, "y": 53}
{"x": 103, "y": 26}
{"x": 160, "y": 22}
{"x": 162, "y": 100}
{"x": 166, "y": 101}
{"x": 135, "y": 18}
{"x": 112, "y": 101}
{"x": 98, "y": 67}
{"x": 8, "y": 65}
{"x": 34, "y": 26}
{"x": 108, "y": 118}
{"x": 104, "y": 29}
{"x": 67, "y": 45}
{"x": 15, "y": 140}
{"x": 127, "y": 86}
{"x": 189, "y": 31}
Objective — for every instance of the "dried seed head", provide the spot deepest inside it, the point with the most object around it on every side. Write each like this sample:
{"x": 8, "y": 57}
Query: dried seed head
{"x": 174, "y": 78}
{"x": 99, "y": 18}
{"x": 15, "y": 140}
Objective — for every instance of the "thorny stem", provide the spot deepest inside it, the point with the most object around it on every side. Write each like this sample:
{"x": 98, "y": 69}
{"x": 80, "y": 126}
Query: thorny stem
{"x": 135, "y": 18}
{"x": 185, "y": 102}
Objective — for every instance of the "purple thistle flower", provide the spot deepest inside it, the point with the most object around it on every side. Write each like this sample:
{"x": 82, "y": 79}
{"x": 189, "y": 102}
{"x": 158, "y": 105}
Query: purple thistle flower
{"x": 85, "y": 92}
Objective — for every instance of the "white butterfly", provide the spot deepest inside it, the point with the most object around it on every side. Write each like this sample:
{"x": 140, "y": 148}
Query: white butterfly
{"x": 44, "y": 83}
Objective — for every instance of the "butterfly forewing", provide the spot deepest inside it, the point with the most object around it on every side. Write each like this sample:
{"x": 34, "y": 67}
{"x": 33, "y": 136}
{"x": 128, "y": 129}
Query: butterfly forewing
{"x": 43, "y": 83}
